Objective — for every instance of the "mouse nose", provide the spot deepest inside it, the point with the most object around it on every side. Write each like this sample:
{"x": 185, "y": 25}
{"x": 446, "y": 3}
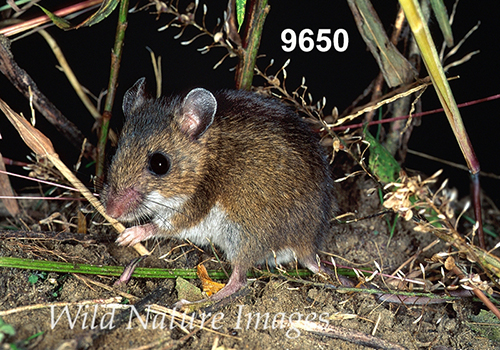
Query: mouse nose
{"x": 121, "y": 203}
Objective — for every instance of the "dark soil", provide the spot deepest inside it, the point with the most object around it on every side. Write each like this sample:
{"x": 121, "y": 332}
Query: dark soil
{"x": 359, "y": 244}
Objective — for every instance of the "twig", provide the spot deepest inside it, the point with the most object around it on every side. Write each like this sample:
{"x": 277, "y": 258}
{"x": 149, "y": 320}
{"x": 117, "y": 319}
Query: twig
{"x": 479, "y": 294}
{"x": 23, "y": 82}
{"x": 345, "y": 334}
{"x": 45, "y": 236}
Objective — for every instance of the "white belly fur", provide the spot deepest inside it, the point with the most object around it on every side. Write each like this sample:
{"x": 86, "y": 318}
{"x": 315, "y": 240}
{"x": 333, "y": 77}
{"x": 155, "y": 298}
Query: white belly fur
{"x": 215, "y": 228}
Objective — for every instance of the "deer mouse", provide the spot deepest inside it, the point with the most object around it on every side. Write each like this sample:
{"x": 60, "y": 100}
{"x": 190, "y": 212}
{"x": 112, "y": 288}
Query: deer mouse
{"x": 233, "y": 169}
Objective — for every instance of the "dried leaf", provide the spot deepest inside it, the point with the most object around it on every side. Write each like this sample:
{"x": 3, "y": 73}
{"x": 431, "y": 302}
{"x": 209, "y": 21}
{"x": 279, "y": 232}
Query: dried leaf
{"x": 58, "y": 21}
{"x": 33, "y": 138}
{"x": 449, "y": 264}
{"x": 209, "y": 286}
{"x": 82, "y": 222}
{"x": 393, "y": 65}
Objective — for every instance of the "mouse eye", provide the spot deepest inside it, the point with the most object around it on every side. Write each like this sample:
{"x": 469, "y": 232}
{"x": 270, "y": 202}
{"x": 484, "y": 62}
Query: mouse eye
{"x": 159, "y": 164}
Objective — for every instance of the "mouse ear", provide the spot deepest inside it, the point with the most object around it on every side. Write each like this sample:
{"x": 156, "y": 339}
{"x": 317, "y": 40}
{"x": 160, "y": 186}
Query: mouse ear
{"x": 134, "y": 97}
{"x": 198, "y": 112}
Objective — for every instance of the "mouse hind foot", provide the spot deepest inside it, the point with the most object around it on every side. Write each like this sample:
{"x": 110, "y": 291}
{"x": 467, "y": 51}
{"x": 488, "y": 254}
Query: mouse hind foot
{"x": 237, "y": 281}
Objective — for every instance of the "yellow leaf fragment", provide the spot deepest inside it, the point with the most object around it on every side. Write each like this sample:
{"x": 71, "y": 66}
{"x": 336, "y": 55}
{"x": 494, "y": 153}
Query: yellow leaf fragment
{"x": 209, "y": 286}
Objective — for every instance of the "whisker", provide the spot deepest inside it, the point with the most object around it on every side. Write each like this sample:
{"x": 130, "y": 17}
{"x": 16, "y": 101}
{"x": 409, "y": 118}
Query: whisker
{"x": 167, "y": 207}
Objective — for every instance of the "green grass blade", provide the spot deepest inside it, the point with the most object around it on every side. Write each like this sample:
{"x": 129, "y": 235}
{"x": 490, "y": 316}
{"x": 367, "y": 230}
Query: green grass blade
{"x": 443, "y": 21}
{"x": 430, "y": 57}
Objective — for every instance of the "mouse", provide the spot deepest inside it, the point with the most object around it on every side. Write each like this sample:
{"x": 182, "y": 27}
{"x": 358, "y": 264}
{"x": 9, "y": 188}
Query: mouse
{"x": 232, "y": 168}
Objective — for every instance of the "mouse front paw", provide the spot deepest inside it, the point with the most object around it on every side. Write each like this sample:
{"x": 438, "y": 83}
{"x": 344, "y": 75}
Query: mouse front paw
{"x": 135, "y": 234}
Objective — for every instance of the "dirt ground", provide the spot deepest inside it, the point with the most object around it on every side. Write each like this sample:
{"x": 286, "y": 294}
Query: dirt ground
{"x": 275, "y": 299}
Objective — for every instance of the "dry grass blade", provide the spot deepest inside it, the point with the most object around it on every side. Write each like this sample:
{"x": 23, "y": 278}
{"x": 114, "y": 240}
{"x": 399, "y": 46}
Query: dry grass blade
{"x": 392, "y": 96}
{"x": 393, "y": 65}
{"x": 69, "y": 74}
{"x": 6, "y": 191}
{"x": 42, "y": 146}
{"x": 433, "y": 64}
{"x": 33, "y": 138}
{"x": 430, "y": 57}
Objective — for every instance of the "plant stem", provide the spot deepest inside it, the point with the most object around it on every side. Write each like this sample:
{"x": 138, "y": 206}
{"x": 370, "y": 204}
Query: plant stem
{"x": 251, "y": 42}
{"x": 141, "y": 272}
{"x": 25, "y": 84}
{"x": 116, "y": 56}
{"x": 476, "y": 201}
{"x": 62, "y": 267}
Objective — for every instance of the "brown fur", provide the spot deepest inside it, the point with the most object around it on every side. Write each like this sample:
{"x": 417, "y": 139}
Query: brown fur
{"x": 257, "y": 163}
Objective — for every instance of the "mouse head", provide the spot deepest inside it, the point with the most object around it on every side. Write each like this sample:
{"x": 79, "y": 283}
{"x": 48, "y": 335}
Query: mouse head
{"x": 162, "y": 148}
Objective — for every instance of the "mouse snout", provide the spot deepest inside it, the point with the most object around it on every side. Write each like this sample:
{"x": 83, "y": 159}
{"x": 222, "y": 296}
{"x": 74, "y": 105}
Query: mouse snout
{"x": 122, "y": 203}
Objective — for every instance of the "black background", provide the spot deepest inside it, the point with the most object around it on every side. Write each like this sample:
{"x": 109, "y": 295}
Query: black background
{"x": 340, "y": 77}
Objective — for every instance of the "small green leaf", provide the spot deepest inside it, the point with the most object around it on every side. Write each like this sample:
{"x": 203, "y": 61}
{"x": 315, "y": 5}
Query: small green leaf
{"x": 443, "y": 20}
{"x": 5, "y": 330}
{"x": 36, "y": 276}
{"x": 240, "y": 12}
{"x": 58, "y": 21}
{"x": 107, "y": 7}
{"x": 32, "y": 279}
{"x": 381, "y": 163}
